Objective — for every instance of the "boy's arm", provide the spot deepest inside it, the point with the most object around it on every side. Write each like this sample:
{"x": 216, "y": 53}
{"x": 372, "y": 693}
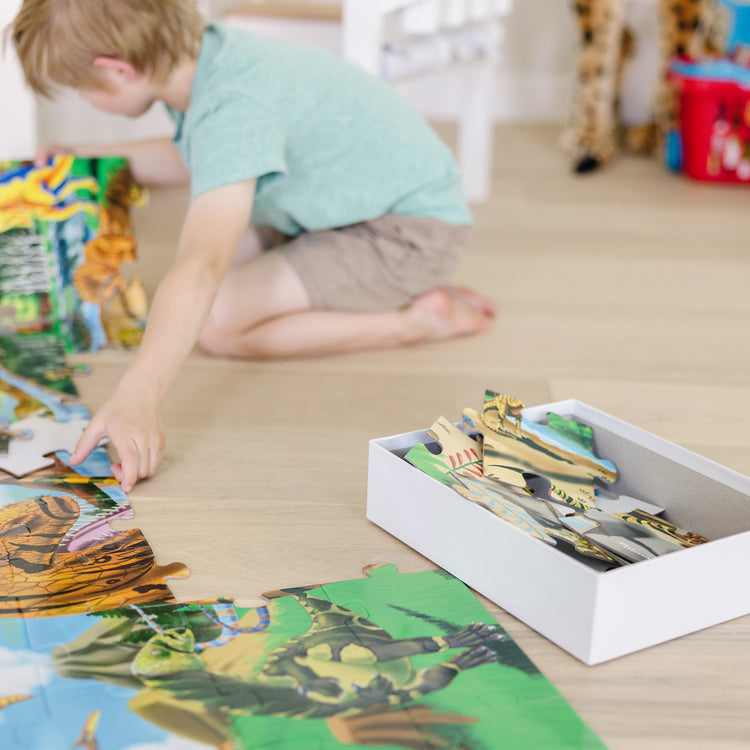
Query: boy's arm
{"x": 153, "y": 162}
{"x": 213, "y": 227}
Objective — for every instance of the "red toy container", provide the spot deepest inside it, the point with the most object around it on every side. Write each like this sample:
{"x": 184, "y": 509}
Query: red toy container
{"x": 714, "y": 109}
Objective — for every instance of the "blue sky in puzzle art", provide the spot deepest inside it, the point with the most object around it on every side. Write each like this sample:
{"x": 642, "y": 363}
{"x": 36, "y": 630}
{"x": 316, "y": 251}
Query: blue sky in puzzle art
{"x": 554, "y": 438}
{"x": 54, "y": 717}
{"x": 96, "y": 465}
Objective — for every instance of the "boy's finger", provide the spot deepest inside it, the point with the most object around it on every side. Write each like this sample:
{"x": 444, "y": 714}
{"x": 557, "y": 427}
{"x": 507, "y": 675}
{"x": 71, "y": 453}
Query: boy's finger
{"x": 86, "y": 443}
{"x": 130, "y": 460}
{"x": 155, "y": 457}
{"x": 144, "y": 467}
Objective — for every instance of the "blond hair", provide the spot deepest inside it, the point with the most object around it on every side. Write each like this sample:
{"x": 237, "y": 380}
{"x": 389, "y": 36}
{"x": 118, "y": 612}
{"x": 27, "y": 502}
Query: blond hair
{"x": 57, "y": 41}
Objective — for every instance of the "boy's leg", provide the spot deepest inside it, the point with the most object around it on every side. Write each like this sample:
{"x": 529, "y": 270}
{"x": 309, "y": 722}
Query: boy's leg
{"x": 434, "y": 316}
{"x": 255, "y": 241}
{"x": 264, "y": 310}
{"x": 287, "y": 331}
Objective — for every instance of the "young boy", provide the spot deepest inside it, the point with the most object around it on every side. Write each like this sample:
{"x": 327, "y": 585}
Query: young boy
{"x": 271, "y": 136}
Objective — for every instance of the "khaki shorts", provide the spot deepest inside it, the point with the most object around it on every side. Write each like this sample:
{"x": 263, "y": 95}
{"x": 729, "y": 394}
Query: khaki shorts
{"x": 375, "y": 265}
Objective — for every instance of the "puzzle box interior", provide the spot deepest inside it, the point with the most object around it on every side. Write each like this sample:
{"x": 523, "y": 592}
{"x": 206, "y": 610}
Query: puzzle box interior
{"x": 596, "y": 616}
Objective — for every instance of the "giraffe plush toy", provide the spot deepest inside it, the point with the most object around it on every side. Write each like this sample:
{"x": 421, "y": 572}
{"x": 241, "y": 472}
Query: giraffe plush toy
{"x": 614, "y": 36}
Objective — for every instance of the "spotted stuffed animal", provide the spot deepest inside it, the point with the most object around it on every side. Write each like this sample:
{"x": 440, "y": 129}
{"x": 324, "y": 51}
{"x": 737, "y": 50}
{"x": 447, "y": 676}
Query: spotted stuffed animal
{"x": 608, "y": 42}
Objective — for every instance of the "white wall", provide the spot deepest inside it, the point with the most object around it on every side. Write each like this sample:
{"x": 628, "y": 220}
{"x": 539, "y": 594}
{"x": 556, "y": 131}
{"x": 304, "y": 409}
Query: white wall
{"x": 18, "y": 121}
{"x": 533, "y": 84}
{"x": 69, "y": 119}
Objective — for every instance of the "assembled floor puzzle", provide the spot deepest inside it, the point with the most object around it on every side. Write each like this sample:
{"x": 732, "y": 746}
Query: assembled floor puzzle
{"x": 94, "y": 650}
{"x": 96, "y": 653}
{"x": 392, "y": 660}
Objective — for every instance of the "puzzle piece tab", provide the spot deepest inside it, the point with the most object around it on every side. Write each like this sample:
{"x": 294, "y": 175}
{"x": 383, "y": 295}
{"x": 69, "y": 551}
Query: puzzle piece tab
{"x": 34, "y": 438}
{"x": 458, "y": 453}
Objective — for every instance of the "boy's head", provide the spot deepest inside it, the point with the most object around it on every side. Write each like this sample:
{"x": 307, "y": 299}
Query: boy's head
{"x": 57, "y": 41}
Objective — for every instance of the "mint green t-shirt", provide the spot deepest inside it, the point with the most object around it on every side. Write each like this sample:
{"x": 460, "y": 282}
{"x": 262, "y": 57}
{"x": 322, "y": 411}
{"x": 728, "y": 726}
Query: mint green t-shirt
{"x": 329, "y": 144}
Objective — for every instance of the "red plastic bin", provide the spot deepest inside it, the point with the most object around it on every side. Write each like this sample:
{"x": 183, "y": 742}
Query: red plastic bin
{"x": 714, "y": 116}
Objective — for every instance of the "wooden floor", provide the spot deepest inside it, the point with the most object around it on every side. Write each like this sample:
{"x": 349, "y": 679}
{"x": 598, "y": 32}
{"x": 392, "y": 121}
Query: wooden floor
{"x": 626, "y": 289}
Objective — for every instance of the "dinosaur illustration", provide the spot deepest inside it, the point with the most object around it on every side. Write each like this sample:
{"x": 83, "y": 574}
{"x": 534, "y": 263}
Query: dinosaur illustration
{"x": 570, "y": 466}
{"x": 498, "y": 407}
{"x": 344, "y": 668}
{"x": 49, "y": 193}
{"x": 39, "y": 577}
{"x": 84, "y": 223}
{"x": 329, "y": 670}
{"x": 99, "y": 279}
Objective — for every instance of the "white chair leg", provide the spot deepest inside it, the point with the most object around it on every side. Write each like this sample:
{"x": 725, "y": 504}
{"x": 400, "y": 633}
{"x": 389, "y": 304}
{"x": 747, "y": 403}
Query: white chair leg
{"x": 476, "y": 134}
{"x": 363, "y": 24}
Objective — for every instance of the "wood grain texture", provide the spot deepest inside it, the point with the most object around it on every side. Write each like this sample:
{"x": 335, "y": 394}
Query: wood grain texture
{"x": 627, "y": 289}
{"x": 308, "y": 11}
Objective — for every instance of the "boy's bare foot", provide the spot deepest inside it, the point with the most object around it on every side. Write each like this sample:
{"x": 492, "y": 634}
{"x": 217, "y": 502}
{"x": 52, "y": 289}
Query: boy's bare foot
{"x": 447, "y": 312}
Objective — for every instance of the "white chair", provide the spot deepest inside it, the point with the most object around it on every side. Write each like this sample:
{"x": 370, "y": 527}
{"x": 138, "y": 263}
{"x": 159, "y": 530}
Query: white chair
{"x": 400, "y": 40}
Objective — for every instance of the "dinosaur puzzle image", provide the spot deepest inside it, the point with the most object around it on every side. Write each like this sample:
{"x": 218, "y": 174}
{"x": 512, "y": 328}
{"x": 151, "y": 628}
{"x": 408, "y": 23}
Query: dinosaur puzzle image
{"x": 95, "y": 652}
{"x": 58, "y": 553}
{"x": 65, "y": 231}
{"x": 391, "y": 660}
{"x": 561, "y": 452}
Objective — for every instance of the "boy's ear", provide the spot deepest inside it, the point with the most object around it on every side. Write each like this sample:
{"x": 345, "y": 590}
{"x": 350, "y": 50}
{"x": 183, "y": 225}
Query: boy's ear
{"x": 122, "y": 67}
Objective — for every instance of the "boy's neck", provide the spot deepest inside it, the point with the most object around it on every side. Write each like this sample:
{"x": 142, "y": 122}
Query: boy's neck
{"x": 175, "y": 91}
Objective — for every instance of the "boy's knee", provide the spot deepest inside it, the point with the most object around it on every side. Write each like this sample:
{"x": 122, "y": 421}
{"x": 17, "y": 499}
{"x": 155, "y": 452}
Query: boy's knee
{"x": 228, "y": 341}
{"x": 210, "y": 343}
{"x": 217, "y": 336}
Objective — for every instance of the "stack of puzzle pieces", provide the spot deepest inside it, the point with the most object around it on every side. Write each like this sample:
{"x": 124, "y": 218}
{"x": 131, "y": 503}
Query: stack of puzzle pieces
{"x": 546, "y": 480}
{"x": 96, "y": 653}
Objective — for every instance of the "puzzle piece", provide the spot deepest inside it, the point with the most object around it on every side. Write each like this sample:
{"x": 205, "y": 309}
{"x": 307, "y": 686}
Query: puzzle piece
{"x": 40, "y": 357}
{"x": 7, "y": 434}
{"x": 100, "y": 495}
{"x": 511, "y": 448}
{"x": 459, "y": 464}
{"x": 632, "y": 541}
{"x": 60, "y": 566}
{"x": 34, "y": 398}
{"x": 72, "y": 215}
{"x": 663, "y": 528}
{"x": 459, "y": 453}
{"x": 531, "y": 513}
{"x": 612, "y": 502}
{"x": 34, "y": 438}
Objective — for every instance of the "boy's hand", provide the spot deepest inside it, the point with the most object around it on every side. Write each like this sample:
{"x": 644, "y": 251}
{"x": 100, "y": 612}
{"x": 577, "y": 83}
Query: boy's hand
{"x": 48, "y": 150}
{"x": 213, "y": 228}
{"x": 132, "y": 423}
